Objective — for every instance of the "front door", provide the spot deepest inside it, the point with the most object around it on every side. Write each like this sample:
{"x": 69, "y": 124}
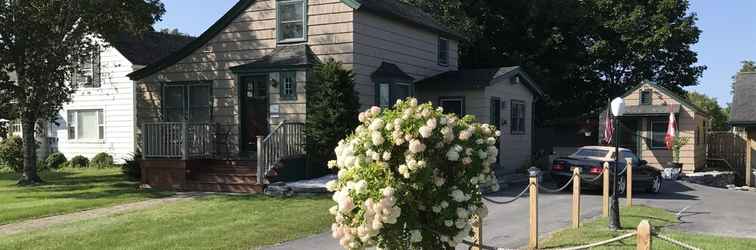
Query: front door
{"x": 254, "y": 107}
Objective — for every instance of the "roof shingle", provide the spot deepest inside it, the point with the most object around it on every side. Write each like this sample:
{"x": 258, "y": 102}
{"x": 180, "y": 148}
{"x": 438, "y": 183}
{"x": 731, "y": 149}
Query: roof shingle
{"x": 743, "y": 104}
{"x": 149, "y": 47}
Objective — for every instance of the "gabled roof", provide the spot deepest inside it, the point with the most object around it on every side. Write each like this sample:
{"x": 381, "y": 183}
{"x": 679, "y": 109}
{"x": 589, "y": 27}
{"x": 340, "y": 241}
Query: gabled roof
{"x": 148, "y": 47}
{"x": 289, "y": 56}
{"x": 391, "y": 71}
{"x": 388, "y": 8}
{"x": 477, "y": 79}
{"x": 744, "y": 100}
{"x": 667, "y": 92}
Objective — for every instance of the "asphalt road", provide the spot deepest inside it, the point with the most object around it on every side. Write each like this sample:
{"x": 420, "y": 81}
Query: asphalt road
{"x": 702, "y": 209}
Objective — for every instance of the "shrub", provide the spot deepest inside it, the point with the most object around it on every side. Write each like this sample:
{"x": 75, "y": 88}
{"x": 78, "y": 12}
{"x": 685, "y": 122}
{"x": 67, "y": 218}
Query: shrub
{"x": 78, "y": 162}
{"x": 410, "y": 178}
{"x": 131, "y": 168}
{"x": 12, "y": 153}
{"x": 55, "y": 161}
{"x": 332, "y": 106}
{"x": 102, "y": 160}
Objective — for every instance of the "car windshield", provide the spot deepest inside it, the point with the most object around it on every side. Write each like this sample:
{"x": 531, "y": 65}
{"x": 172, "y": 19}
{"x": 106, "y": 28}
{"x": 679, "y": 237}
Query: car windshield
{"x": 595, "y": 153}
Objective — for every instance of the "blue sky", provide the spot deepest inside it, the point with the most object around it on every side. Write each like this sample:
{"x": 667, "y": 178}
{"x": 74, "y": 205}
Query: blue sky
{"x": 729, "y": 35}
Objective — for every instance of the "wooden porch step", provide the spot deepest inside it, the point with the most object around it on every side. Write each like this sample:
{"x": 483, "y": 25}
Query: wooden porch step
{"x": 223, "y": 187}
{"x": 227, "y": 170}
{"x": 227, "y": 178}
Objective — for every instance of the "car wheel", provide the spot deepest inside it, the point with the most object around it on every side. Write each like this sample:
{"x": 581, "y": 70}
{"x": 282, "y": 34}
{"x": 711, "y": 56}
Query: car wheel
{"x": 656, "y": 184}
{"x": 621, "y": 185}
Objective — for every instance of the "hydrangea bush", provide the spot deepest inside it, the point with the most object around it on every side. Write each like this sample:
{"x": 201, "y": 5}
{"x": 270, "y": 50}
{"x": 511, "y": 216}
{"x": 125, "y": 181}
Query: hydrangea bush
{"x": 410, "y": 178}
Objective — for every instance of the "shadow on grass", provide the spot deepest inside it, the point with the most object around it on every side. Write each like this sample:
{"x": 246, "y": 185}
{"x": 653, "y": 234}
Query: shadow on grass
{"x": 79, "y": 184}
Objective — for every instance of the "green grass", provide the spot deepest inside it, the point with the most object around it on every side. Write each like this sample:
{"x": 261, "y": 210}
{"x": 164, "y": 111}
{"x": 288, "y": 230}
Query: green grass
{"x": 596, "y": 230}
{"x": 65, "y": 191}
{"x": 216, "y": 222}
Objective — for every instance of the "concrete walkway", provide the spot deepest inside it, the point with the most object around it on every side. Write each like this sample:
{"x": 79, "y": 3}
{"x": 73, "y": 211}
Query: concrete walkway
{"x": 42, "y": 223}
{"x": 702, "y": 209}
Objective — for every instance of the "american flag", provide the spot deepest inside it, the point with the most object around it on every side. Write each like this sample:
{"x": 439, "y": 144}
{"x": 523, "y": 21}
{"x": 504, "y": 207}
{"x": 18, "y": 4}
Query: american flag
{"x": 608, "y": 128}
{"x": 669, "y": 138}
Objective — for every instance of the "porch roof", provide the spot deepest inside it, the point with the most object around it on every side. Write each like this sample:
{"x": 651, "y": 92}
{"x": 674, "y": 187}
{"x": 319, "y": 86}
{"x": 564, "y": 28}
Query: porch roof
{"x": 391, "y": 71}
{"x": 290, "y": 56}
{"x": 471, "y": 79}
{"x": 651, "y": 110}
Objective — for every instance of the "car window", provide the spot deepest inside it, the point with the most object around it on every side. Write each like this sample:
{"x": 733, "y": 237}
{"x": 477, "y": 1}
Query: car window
{"x": 628, "y": 154}
{"x": 600, "y": 153}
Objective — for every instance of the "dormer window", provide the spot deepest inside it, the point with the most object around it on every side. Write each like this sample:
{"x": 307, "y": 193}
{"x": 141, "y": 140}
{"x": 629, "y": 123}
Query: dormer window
{"x": 292, "y": 20}
{"x": 443, "y": 51}
{"x": 645, "y": 97}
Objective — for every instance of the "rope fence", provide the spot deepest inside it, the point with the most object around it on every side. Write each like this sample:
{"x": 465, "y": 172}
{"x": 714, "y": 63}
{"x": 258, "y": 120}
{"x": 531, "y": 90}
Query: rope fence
{"x": 518, "y": 196}
{"x": 643, "y": 233}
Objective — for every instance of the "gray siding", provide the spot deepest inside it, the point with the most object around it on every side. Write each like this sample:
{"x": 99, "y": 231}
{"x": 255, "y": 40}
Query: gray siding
{"x": 515, "y": 149}
{"x": 378, "y": 39}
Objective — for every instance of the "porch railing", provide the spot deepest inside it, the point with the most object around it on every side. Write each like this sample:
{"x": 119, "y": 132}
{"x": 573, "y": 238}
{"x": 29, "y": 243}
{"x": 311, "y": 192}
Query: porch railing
{"x": 286, "y": 139}
{"x": 184, "y": 140}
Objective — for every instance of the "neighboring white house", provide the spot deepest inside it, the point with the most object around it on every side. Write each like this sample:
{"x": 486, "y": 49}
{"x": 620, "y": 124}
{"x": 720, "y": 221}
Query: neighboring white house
{"x": 101, "y": 114}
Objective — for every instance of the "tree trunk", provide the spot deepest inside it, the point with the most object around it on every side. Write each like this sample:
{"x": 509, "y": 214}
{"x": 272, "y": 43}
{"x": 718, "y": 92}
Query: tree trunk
{"x": 29, "y": 176}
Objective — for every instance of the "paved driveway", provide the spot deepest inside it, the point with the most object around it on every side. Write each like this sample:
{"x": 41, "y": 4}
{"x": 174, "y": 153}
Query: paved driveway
{"x": 702, "y": 209}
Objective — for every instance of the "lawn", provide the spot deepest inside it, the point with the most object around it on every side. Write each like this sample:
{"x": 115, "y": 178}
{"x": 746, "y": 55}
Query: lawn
{"x": 596, "y": 230}
{"x": 65, "y": 191}
{"x": 215, "y": 222}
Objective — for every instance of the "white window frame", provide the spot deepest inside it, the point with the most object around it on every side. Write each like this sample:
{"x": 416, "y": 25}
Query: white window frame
{"x": 443, "y": 53}
{"x": 279, "y": 21}
{"x": 384, "y": 91}
{"x": 93, "y": 77}
{"x": 73, "y": 123}
{"x": 521, "y": 114}
{"x": 461, "y": 101}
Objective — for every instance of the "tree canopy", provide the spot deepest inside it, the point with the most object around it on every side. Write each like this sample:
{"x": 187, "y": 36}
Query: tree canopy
{"x": 43, "y": 41}
{"x": 719, "y": 116}
{"x": 581, "y": 52}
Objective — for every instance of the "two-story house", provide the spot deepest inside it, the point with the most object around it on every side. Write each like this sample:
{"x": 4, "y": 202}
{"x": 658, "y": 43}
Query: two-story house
{"x": 101, "y": 116}
{"x": 239, "y": 88}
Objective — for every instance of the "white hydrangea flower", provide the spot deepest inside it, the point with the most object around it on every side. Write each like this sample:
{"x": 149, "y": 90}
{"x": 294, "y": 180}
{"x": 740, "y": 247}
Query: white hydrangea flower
{"x": 377, "y": 138}
{"x": 416, "y": 146}
{"x": 416, "y": 236}
{"x": 425, "y": 131}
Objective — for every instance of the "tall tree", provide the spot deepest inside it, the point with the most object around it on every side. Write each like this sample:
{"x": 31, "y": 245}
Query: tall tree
{"x": 719, "y": 116}
{"x": 42, "y": 41}
{"x": 582, "y": 52}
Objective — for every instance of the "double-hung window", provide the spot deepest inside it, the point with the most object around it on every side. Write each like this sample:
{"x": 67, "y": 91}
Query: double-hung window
{"x": 86, "y": 124}
{"x": 187, "y": 102}
{"x": 291, "y": 20}
{"x": 390, "y": 92}
{"x": 658, "y": 133}
{"x": 443, "y": 51}
{"x": 288, "y": 85}
{"x": 518, "y": 117}
{"x": 87, "y": 72}
{"x": 453, "y": 105}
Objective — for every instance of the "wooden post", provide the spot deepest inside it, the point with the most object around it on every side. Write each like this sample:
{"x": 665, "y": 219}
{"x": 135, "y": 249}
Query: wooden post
{"x": 749, "y": 158}
{"x": 629, "y": 182}
{"x": 605, "y": 198}
{"x": 533, "y": 240}
{"x": 644, "y": 236}
{"x": 576, "y": 198}
{"x": 477, "y": 228}
{"x": 260, "y": 174}
{"x": 184, "y": 141}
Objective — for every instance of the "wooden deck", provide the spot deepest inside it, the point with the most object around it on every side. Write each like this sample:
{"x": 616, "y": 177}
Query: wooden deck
{"x": 234, "y": 176}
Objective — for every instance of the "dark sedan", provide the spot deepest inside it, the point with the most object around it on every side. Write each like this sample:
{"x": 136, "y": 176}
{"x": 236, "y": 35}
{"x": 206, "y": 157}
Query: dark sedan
{"x": 591, "y": 159}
